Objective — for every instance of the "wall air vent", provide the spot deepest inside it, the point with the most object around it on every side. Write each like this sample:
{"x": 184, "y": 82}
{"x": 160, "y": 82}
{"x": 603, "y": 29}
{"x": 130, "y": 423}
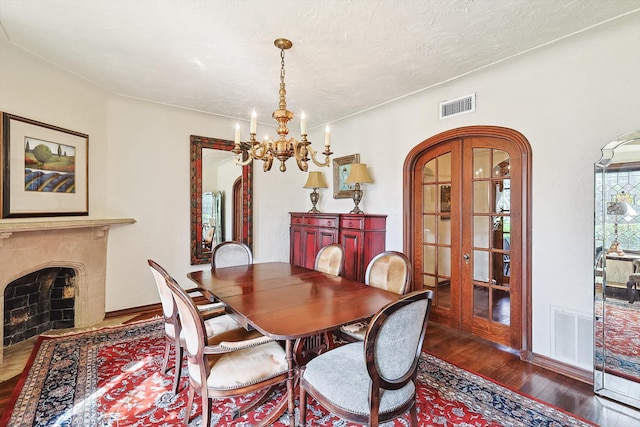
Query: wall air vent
{"x": 455, "y": 107}
{"x": 572, "y": 337}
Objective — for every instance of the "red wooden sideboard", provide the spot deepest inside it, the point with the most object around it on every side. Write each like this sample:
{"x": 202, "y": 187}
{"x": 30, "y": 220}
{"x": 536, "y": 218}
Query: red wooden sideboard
{"x": 361, "y": 235}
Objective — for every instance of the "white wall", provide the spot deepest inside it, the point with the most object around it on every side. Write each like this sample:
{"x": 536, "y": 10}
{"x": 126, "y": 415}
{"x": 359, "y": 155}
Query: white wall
{"x": 568, "y": 99}
{"x": 38, "y": 91}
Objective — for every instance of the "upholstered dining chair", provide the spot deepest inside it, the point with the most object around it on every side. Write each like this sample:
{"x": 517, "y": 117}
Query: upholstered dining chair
{"x": 391, "y": 271}
{"x": 330, "y": 259}
{"x": 374, "y": 380}
{"x": 232, "y": 364}
{"x": 217, "y": 322}
{"x": 230, "y": 253}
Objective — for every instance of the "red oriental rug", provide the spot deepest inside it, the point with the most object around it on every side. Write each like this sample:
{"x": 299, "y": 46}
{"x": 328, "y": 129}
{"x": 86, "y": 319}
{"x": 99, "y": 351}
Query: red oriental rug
{"x": 111, "y": 377}
{"x": 623, "y": 339}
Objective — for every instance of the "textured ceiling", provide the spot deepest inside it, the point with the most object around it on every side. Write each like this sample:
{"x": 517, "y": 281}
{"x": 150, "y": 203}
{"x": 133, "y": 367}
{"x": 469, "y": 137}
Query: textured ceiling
{"x": 218, "y": 56}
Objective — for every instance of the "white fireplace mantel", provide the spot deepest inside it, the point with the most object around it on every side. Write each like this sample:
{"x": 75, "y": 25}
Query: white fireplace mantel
{"x": 12, "y": 225}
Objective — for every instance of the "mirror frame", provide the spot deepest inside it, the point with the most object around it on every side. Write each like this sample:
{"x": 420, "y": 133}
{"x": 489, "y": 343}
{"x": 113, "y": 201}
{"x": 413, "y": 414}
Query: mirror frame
{"x": 198, "y": 254}
{"x": 606, "y": 382}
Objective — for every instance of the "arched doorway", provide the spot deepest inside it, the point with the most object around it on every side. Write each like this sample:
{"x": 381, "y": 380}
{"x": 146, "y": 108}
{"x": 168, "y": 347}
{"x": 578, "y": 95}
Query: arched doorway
{"x": 466, "y": 224}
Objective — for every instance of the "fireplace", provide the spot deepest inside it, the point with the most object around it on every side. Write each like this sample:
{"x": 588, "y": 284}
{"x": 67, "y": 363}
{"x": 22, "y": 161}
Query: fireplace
{"x": 29, "y": 246}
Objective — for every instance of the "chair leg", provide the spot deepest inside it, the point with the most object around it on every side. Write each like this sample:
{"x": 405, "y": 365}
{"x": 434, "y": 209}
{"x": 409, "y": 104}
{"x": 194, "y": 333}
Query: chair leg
{"x": 165, "y": 361}
{"x": 206, "y": 410}
{"x": 413, "y": 416}
{"x": 303, "y": 406}
{"x": 189, "y": 405}
{"x": 177, "y": 369}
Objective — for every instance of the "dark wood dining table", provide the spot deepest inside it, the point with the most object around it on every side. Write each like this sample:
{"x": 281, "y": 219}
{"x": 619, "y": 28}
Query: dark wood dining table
{"x": 289, "y": 303}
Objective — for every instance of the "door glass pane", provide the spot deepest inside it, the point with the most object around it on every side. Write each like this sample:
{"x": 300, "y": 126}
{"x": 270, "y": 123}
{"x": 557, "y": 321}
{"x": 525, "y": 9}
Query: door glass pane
{"x": 429, "y": 257}
{"x": 481, "y": 301}
{"x": 429, "y": 281}
{"x": 444, "y": 262}
{"x": 429, "y": 228}
{"x": 444, "y": 232}
{"x": 503, "y": 196}
{"x": 428, "y": 173}
{"x": 445, "y": 199}
{"x": 501, "y": 269}
{"x": 481, "y": 232}
{"x": 481, "y": 266}
{"x": 501, "y": 164}
{"x": 481, "y": 163}
{"x": 501, "y": 306}
{"x": 429, "y": 198}
{"x": 444, "y": 167}
{"x": 481, "y": 197}
{"x": 444, "y": 294}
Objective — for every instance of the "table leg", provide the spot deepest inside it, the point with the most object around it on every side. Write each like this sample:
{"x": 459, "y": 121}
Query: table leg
{"x": 290, "y": 383}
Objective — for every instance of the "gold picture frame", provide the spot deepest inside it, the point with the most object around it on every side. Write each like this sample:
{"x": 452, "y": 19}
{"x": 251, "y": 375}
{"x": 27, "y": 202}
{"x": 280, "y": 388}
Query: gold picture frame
{"x": 341, "y": 169}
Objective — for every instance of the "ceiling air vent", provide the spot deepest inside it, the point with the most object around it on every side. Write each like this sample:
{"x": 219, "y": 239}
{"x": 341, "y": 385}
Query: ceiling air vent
{"x": 455, "y": 107}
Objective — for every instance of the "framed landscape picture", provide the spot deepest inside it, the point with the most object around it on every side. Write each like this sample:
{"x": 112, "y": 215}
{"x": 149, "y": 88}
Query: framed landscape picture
{"x": 341, "y": 169}
{"x": 44, "y": 169}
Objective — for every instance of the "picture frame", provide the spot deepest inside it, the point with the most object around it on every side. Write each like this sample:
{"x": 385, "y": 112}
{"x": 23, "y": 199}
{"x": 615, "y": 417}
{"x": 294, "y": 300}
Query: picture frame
{"x": 45, "y": 170}
{"x": 341, "y": 169}
{"x": 445, "y": 201}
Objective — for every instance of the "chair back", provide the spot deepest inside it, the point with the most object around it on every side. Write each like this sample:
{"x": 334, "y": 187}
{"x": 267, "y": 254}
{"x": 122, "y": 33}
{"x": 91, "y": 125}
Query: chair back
{"x": 330, "y": 259}
{"x": 193, "y": 332}
{"x": 394, "y": 340}
{"x": 229, "y": 254}
{"x": 390, "y": 271}
{"x": 166, "y": 299}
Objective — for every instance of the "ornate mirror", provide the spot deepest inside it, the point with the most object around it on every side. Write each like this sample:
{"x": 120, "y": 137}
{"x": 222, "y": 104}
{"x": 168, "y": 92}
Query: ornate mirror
{"x": 617, "y": 271}
{"x": 220, "y": 197}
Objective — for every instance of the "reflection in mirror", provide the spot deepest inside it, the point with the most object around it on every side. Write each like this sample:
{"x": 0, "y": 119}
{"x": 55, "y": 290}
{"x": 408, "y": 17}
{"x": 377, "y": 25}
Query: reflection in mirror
{"x": 617, "y": 271}
{"x": 220, "y": 197}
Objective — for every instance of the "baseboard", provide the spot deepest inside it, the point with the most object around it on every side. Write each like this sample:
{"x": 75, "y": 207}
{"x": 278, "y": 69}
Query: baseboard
{"x": 562, "y": 368}
{"x": 134, "y": 310}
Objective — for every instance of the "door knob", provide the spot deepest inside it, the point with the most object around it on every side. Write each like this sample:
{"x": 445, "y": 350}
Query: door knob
{"x": 466, "y": 258}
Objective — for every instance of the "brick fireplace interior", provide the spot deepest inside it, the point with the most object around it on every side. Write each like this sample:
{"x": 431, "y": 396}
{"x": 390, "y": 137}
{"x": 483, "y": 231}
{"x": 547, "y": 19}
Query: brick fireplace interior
{"x": 38, "y": 302}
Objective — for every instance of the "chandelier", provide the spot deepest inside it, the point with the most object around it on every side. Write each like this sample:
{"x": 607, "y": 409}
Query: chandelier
{"x": 283, "y": 148}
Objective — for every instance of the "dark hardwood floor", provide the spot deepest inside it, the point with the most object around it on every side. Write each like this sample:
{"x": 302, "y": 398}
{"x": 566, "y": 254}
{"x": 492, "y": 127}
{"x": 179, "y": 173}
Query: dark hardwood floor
{"x": 502, "y": 365}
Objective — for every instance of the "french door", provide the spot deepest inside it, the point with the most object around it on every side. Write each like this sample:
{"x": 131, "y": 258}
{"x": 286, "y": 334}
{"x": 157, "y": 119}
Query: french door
{"x": 466, "y": 232}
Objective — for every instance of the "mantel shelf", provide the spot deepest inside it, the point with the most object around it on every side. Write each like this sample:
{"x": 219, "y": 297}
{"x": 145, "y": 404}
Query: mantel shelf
{"x": 16, "y": 225}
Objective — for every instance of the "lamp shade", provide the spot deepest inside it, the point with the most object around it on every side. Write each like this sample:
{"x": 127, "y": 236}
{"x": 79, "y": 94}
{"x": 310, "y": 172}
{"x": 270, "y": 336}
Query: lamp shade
{"x": 358, "y": 174}
{"x": 315, "y": 180}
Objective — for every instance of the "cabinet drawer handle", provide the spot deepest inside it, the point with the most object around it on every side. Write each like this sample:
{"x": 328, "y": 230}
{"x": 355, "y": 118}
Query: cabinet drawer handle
{"x": 350, "y": 224}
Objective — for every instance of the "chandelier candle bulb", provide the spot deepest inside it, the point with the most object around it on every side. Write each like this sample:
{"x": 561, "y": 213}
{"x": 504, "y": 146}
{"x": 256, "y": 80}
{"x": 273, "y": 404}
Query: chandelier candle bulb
{"x": 237, "y": 134}
{"x": 327, "y": 136}
{"x": 303, "y": 124}
{"x": 254, "y": 123}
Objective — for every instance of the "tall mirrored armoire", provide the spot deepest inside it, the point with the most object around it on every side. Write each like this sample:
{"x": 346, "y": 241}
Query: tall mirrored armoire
{"x": 617, "y": 271}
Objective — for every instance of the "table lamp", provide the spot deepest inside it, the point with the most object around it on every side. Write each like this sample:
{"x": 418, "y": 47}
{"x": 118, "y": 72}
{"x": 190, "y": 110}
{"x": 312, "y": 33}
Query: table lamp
{"x": 358, "y": 175}
{"x": 315, "y": 181}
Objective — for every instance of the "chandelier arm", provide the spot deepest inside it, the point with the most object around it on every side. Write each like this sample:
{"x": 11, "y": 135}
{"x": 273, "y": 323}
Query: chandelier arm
{"x": 237, "y": 160}
{"x": 267, "y": 164}
{"x": 258, "y": 151}
{"x": 313, "y": 158}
